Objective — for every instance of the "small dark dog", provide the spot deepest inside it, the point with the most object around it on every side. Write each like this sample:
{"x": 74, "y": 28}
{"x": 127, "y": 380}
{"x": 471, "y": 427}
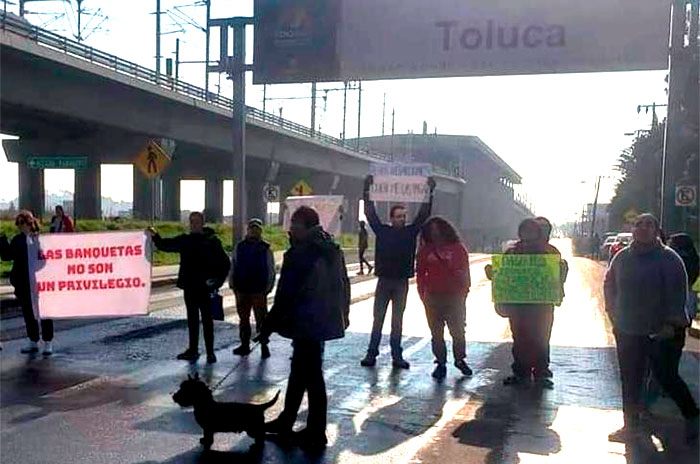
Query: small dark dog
{"x": 216, "y": 417}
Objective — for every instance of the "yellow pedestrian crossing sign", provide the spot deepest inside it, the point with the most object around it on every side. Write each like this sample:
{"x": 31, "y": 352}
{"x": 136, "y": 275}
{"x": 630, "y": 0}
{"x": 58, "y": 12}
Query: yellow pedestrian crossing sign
{"x": 152, "y": 160}
{"x": 630, "y": 216}
{"x": 301, "y": 189}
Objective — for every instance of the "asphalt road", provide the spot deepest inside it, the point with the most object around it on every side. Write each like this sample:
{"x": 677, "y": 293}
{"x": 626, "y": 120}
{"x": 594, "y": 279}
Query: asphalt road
{"x": 105, "y": 396}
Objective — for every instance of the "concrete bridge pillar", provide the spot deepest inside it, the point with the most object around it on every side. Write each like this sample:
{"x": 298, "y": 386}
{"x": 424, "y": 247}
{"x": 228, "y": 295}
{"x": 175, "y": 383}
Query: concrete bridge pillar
{"x": 143, "y": 200}
{"x": 257, "y": 206}
{"x": 171, "y": 196}
{"x": 31, "y": 189}
{"x": 88, "y": 198}
{"x": 214, "y": 199}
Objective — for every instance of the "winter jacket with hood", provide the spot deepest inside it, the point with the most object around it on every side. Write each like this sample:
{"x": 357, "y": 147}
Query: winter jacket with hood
{"x": 201, "y": 258}
{"x": 312, "y": 301}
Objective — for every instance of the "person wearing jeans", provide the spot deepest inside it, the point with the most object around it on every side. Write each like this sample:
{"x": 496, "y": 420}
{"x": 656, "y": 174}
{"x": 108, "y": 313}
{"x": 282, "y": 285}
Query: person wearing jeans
{"x": 645, "y": 298}
{"x": 395, "y": 252}
{"x": 443, "y": 285}
{"x": 16, "y": 251}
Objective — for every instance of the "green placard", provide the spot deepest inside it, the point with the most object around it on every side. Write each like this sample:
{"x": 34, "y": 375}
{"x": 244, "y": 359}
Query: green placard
{"x": 58, "y": 162}
{"x": 526, "y": 279}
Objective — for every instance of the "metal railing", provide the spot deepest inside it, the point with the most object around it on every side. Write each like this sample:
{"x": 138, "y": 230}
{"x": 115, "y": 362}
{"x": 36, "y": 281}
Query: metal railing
{"x": 114, "y": 63}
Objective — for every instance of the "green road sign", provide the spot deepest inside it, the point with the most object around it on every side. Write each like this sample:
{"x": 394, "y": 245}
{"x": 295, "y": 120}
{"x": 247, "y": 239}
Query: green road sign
{"x": 58, "y": 162}
{"x": 526, "y": 279}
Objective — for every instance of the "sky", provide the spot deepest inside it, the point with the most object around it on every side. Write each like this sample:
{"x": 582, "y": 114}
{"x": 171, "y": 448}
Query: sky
{"x": 559, "y": 132}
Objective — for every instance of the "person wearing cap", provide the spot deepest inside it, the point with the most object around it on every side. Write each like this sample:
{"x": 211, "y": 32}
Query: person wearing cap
{"x": 252, "y": 278}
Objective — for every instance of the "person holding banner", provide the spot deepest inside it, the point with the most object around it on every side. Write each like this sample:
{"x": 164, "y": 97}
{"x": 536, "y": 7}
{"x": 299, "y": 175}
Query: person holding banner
{"x": 395, "y": 264}
{"x": 16, "y": 251}
{"x": 252, "y": 278}
{"x": 645, "y": 297}
{"x": 204, "y": 266}
{"x": 312, "y": 306}
{"x": 442, "y": 270}
{"x": 531, "y": 324}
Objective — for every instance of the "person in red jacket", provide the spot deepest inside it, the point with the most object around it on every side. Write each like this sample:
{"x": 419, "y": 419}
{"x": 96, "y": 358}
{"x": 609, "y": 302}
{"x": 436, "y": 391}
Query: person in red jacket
{"x": 443, "y": 285}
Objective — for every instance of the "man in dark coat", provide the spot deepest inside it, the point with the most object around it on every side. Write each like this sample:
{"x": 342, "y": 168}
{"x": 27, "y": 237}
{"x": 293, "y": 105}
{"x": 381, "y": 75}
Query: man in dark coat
{"x": 395, "y": 256}
{"x": 312, "y": 305}
{"x": 204, "y": 266}
{"x": 252, "y": 279}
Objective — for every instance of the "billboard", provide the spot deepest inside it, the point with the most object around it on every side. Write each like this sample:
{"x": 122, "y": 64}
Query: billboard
{"x": 339, "y": 40}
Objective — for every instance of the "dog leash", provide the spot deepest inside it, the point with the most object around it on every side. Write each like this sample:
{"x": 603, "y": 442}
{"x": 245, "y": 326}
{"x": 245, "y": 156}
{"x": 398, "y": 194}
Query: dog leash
{"x": 220, "y": 382}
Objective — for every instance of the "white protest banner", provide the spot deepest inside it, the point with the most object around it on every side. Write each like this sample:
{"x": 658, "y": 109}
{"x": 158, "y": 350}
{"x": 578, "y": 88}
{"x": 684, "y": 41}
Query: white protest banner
{"x": 327, "y": 206}
{"x": 105, "y": 274}
{"x": 400, "y": 182}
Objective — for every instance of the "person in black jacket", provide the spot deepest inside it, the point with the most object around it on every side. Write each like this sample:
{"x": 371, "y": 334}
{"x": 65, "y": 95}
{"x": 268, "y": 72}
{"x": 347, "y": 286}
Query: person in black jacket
{"x": 204, "y": 266}
{"x": 16, "y": 251}
{"x": 252, "y": 278}
{"x": 312, "y": 305}
{"x": 395, "y": 263}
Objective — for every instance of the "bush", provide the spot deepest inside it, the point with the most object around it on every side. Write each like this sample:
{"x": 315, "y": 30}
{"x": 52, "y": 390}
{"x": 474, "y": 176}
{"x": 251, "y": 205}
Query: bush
{"x": 275, "y": 235}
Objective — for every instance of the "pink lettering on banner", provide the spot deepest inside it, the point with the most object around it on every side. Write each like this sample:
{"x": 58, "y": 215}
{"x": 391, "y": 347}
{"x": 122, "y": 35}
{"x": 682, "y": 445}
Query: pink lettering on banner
{"x": 105, "y": 274}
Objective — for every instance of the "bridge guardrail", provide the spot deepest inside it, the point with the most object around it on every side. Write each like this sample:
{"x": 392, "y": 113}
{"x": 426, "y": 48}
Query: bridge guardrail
{"x": 113, "y": 62}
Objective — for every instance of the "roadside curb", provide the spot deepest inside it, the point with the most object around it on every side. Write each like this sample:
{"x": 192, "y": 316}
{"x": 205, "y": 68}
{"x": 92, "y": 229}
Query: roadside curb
{"x": 694, "y": 329}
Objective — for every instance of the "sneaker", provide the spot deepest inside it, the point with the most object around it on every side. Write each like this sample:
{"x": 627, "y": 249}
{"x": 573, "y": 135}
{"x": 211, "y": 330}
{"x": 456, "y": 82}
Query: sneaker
{"x": 48, "y": 349}
{"x": 516, "y": 380}
{"x": 264, "y": 351}
{"x": 400, "y": 363}
{"x": 544, "y": 373}
{"x": 311, "y": 441}
{"x": 440, "y": 372}
{"x": 692, "y": 427}
{"x": 369, "y": 361}
{"x": 369, "y": 271}
{"x": 463, "y": 368}
{"x": 361, "y": 273}
{"x": 626, "y": 434}
{"x": 278, "y": 426}
{"x": 211, "y": 358}
{"x": 188, "y": 355}
{"x": 32, "y": 347}
{"x": 243, "y": 350}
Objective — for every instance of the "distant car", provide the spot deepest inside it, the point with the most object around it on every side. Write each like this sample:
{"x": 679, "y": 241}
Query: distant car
{"x": 621, "y": 241}
{"x": 605, "y": 247}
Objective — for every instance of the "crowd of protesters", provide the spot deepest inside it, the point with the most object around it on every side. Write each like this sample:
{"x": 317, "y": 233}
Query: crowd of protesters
{"x": 647, "y": 297}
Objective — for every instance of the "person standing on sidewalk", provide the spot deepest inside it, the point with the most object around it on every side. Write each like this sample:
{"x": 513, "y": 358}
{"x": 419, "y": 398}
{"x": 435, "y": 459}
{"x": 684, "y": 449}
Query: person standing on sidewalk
{"x": 443, "y": 285}
{"x": 395, "y": 262}
{"x": 645, "y": 294}
{"x": 362, "y": 245}
{"x": 252, "y": 278}
{"x": 16, "y": 251}
{"x": 61, "y": 222}
{"x": 204, "y": 266}
{"x": 312, "y": 305}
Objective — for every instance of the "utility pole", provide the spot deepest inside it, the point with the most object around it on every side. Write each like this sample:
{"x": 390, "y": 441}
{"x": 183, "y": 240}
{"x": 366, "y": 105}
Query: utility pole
{"x": 157, "y": 41}
{"x": 669, "y": 173}
{"x": 206, "y": 48}
{"x": 177, "y": 59}
{"x": 313, "y": 108}
{"x": 595, "y": 205}
{"x": 80, "y": 15}
{"x": 264, "y": 99}
{"x": 383, "y": 113}
{"x": 393, "y": 119}
{"x": 345, "y": 106}
{"x": 359, "y": 111}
